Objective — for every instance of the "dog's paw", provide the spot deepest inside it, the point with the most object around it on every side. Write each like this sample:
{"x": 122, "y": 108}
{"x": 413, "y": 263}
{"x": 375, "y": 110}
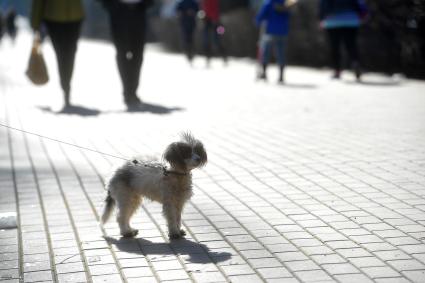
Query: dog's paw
{"x": 182, "y": 232}
{"x": 130, "y": 234}
{"x": 174, "y": 236}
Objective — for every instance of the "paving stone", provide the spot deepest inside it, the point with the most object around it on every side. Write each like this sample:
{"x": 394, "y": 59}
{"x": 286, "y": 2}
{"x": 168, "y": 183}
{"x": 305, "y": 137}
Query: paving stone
{"x": 245, "y": 278}
{"x": 313, "y": 276}
{"x": 38, "y": 276}
{"x": 135, "y": 272}
{"x": 352, "y": 278}
{"x": 208, "y": 277}
{"x": 301, "y": 265}
{"x": 111, "y": 278}
{"x": 72, "y": 277}
{"x": 328, "y": 258}
{"x": 366, "y": 261}
{"x": 415, "y": 275}
{"x": 380, "y": 272}
{"x": 340, "y": 268}
{"x": 404, "y": 265}
{"x": 270, "y": 273}
{"x": 243, "y": 269}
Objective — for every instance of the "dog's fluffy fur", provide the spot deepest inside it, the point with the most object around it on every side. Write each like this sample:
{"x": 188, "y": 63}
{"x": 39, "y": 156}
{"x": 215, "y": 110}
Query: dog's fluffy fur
{"x": 138, "y": 179}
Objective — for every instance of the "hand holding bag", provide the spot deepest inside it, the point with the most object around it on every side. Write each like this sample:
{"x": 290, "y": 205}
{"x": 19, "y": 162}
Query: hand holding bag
{"x": 37, "y": 70}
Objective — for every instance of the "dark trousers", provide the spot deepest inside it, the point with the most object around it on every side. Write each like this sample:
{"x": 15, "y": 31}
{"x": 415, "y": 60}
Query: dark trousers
{"x": 212, "y": 36}
{"x": 64, "y": 37}
{"x": 346, "y": 37}
{"x": 128, "y": 25}
{"x": 188, "y": 26}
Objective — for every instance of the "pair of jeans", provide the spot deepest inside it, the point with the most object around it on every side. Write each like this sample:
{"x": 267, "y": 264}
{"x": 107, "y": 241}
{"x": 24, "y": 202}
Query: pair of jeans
{"x": 128, "y": 28}
{"x": 268, "y": 43}
{"x": 64, "y": 37}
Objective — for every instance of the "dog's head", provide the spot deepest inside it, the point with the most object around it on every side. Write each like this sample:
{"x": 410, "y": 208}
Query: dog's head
{"x": 187, "y": 154}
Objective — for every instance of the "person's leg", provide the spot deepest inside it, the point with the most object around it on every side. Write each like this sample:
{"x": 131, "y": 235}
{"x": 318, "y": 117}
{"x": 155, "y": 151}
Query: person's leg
{"x": 349, "y": 36}
{"x": 335, "y": 42}
{"x": 187, "y": 29}
{"x": 64, "y": 37}
{"x": 121, "y": 35}
{"x": 137, "y": 30}
{"x": 265, "y": 50}
{"x": 207, "y": 39}
{"x": 218, "y": 31}
{"x": 279, "y": 43}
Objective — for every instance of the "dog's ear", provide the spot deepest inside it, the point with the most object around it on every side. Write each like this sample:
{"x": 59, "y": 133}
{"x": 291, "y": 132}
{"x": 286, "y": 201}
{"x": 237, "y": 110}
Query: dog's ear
{"x": 201, "y": 152}
{"x": 173, "y": 155}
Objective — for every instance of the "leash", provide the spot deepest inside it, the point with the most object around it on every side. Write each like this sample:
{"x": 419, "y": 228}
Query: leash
{"x": 166, "y": 172}
{"x": 63, "y": 142}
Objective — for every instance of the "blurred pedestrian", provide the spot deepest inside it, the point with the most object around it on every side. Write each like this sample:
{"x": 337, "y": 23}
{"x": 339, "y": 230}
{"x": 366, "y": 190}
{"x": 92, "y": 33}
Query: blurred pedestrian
{"x": 63, "y": 19}
{"x": 128, "y": 28}
{"x": 1, "y": 25}
{"x": 187, "y": 11}
{"x": 341, "y": 19}
{"x": 11, "y": 24}
{"x": 213, "y": 29}
{"x": 273, "y": 20}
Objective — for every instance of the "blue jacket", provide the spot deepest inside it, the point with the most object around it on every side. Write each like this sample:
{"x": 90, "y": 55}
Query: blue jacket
{"x": 277, "y": 22}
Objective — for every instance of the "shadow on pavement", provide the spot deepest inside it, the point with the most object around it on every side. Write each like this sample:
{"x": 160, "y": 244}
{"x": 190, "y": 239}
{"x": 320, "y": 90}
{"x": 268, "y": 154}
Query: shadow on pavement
{"x": 366, "y": 82}
{"x": 154, "y": 109}
{"x": 195, "y": 251}
{"x": 73, "y": 110}
{"x": 296, "y": 85}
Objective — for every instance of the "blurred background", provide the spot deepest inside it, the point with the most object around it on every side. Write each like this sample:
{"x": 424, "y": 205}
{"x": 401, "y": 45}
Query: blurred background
{"x": 392, "y": 38}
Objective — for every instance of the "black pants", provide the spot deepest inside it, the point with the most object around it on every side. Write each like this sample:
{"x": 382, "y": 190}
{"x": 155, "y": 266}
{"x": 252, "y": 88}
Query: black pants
{"x": 211, "y": 36}
{"x": 188, "y": 26}
{"x": 346, "y": 37}
{"x": 128, "y": 26}
{"x": 64, "y": 38}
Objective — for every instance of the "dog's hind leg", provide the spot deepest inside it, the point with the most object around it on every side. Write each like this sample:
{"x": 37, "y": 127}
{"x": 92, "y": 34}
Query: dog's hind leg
{"x": 170, "y": 214}
{"x": 126, "y": 208}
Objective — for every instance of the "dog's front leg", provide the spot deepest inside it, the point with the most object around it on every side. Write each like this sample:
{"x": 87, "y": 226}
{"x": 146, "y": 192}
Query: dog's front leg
{"x": 179, "y": 220}
{"x": 170, "y": 214}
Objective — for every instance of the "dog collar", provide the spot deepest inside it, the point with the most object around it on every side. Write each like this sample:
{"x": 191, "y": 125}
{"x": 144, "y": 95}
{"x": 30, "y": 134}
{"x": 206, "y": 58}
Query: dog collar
{"x": 168, "y": 172}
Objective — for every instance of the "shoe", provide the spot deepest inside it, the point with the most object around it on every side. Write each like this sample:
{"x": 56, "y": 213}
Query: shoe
{"x": 336, "y": 75}
{"x": 281, "y": 81}
{"x": 135, "y": 105}
{"x": 357, "y": 71}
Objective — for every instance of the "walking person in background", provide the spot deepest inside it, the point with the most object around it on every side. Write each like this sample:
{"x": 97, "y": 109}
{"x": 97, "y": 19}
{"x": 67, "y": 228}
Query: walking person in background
{"x": 128, "y": 28}
{"x": 341, "y": 19}
{"x": 213, "y": 30}
{"x": 1, "y": 25}
{"x": 273, "y": 20}
{"x": 11, "y": 24}
{"x": 187, "y": 11}
{"x": 63, "y": 20}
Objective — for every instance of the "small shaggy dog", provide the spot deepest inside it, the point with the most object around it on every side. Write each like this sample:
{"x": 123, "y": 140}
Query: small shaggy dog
{"x": 172, "y": 187}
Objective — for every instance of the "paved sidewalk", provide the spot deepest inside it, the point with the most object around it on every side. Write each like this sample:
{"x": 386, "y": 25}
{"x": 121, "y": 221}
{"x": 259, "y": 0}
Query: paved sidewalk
{"x": 315, "y": 181}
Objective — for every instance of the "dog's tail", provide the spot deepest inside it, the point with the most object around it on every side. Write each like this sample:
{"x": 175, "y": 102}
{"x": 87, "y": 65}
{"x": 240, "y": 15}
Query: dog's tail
{"x": 109, "y": 207}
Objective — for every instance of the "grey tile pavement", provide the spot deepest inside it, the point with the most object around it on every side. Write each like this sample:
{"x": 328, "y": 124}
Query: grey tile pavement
{"x": 324, "y": 183}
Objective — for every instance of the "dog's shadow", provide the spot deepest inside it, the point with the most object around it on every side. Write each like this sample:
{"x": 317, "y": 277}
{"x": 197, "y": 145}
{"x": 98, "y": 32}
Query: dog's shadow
{"x": 196, "y": 252}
